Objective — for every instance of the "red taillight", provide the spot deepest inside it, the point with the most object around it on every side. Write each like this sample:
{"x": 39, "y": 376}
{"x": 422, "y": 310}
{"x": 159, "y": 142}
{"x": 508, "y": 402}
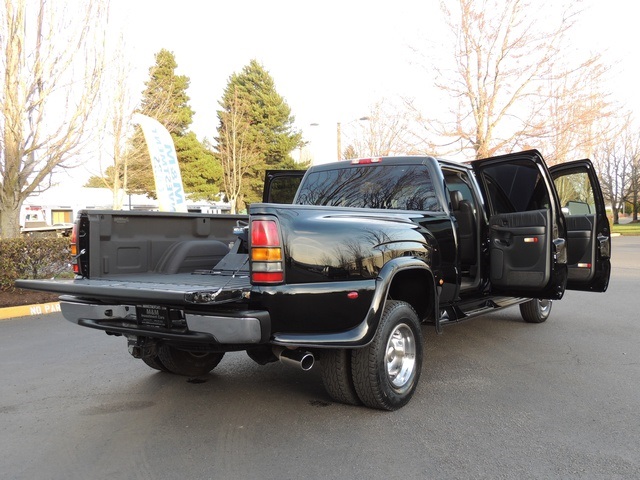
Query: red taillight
{"x": 264, "y": 233}
{"x": 74, "y": 249}
{"x": 266, "y": 252}
{"x": 267, "y": 277}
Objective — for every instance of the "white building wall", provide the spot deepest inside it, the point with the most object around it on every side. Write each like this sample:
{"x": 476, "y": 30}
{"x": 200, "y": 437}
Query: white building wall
{"x": 54, "y": 199}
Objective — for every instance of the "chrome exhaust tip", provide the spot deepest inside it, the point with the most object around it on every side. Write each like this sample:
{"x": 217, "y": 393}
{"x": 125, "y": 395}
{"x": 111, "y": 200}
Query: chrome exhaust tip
{"x": 295, "y": 358}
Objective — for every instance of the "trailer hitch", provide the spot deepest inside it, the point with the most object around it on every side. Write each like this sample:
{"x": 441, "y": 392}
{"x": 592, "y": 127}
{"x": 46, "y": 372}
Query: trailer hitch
{"x": 142, "y": 347}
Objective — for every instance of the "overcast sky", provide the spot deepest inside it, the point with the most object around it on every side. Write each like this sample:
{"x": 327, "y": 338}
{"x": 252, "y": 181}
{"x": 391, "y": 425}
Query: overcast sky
{"x": 332, "y": 60}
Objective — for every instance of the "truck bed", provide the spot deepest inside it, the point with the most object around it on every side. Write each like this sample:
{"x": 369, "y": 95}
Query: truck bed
{"x": 159, "y": 258}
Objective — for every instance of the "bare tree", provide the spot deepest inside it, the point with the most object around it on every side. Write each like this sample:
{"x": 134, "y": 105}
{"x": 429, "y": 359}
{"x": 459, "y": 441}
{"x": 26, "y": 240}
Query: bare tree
{"x": 635, "y": 174}
{"x": 53, "y": 63}
{"x": 630, "y": 139}
{"x": 576, "y": 110}
{"x": 616, "y": 159}
{"x": 384, "y": 133}
{"x": 498, "y": 86}
{"x": 115, "y": 129}
{"x": 237, "y": 150}
{"x": 119, "y": 155}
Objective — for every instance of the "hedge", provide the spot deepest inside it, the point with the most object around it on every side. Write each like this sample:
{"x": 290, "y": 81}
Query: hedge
{"x": 28, "y": 257}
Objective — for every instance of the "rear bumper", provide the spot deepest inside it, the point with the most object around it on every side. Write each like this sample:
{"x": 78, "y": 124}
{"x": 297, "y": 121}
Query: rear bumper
{"x": 228, "y": 328}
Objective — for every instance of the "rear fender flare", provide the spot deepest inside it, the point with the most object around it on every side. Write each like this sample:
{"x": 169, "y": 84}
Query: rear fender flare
{"x": 395, "y": 273}
{"x": 395, "y": 283}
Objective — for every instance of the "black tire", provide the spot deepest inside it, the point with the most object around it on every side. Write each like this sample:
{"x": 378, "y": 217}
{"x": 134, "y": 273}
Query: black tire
{"x": 335, "y": 367}
{"x": 155, "y": 363}
{"x": 535, "y": 310}
{"x": 187, "y": 363}
{"x": 386, "y": 372}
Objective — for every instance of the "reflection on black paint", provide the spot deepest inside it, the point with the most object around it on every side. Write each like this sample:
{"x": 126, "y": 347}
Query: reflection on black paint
{"x": 361, "y": 255}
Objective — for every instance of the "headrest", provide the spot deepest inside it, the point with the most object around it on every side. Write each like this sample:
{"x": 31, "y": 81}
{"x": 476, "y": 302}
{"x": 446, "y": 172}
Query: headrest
{"x": 456, "y": 198}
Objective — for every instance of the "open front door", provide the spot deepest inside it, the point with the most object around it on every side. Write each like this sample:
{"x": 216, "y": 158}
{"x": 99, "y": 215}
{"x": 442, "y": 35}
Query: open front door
{"x": 588, "y": 233}
{"x": 280, "y": 186}
{"x": 526, "y": 233}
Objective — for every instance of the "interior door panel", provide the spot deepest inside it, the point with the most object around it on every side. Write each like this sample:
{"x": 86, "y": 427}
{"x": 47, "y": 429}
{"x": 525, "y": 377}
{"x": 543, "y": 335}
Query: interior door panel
{"x": 527, "y": 254}
{"x": 588, "y": 231}
{"x": 581, "y": 257}
{"x": 520, "y": 249}
{"x": 548, "y": 226}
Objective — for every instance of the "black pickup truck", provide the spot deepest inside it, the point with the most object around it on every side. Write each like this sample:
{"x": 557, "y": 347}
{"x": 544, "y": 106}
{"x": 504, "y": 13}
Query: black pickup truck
{"x": 368, "y": 251}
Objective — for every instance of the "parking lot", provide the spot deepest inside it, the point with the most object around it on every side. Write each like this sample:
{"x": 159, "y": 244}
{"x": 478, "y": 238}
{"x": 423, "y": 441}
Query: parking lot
{"x": 499, "y": 398}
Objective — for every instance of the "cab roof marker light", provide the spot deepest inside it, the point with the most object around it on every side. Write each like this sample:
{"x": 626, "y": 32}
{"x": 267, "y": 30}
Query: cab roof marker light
{"x": 365, "y": 161}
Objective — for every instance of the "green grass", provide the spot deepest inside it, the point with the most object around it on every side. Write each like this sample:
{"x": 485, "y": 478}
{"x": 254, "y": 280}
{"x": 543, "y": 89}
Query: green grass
{"x": 626, "y": 229}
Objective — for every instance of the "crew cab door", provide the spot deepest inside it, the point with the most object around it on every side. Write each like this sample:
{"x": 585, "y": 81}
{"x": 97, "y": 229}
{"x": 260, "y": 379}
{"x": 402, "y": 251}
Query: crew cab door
{"x": 526, "y": 235}
{"x": 280, "y": 186}
{"x": 587, "y": 226}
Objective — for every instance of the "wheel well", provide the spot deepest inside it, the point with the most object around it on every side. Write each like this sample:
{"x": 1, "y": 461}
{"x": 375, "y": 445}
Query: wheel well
{"x": 415, "y": 287}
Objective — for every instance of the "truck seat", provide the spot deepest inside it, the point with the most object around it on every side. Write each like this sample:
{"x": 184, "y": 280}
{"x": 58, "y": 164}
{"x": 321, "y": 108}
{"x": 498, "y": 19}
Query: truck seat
{"x": 463, "y": 211}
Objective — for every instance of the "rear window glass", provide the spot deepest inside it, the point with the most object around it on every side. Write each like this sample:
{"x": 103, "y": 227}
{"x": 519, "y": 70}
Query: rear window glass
{"x": 404, "y": 187}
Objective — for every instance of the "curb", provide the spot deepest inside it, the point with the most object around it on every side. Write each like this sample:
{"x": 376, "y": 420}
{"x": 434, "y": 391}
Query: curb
{"x": 29, "y": 310}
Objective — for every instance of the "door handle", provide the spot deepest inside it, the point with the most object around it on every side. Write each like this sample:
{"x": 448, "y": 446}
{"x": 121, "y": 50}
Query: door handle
{"x": 604, "y": 246}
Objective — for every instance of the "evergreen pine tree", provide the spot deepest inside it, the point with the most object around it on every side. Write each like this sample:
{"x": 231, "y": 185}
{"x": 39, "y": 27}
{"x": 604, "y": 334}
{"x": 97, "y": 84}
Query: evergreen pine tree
{"x": 269, "y": 126}
{"x": 165, "y": 99}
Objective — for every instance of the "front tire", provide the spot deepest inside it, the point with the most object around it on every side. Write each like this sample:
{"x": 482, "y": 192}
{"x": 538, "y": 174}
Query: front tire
{"x": 536, "y": 310}
{"x": 188, "y": 363}
{"x": 386, "y": 372}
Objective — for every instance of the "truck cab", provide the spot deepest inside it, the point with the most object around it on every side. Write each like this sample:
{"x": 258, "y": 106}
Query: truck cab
{"x": 522, "y": 229}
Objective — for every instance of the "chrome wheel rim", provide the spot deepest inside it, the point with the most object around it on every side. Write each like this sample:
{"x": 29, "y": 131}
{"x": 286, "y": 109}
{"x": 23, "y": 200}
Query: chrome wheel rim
{"x": 400, "y": 356}
{"x": 545, "y": 307}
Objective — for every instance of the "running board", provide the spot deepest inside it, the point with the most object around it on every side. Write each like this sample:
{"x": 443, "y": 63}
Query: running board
{"x": 461, "y": 312}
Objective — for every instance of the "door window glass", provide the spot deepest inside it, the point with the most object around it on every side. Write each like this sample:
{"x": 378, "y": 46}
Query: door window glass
{"x": 283, "y": 189}
{"x": 515, "y": 187}
{"x": 575, "y": 193}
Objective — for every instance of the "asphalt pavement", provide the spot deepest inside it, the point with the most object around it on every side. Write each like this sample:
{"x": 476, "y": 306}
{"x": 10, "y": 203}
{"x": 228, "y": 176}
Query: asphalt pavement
{"x": 499, "y": 398}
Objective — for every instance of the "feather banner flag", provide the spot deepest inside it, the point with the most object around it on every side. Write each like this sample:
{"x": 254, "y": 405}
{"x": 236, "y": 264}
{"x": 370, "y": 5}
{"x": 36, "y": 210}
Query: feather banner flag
{"x": 164, "y": 161}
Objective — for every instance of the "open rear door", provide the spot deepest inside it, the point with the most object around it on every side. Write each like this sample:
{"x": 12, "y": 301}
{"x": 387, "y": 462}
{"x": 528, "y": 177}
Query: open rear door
{"x": 588, "y": 232}
{"x": 526, "y": 236}
{"x": 280, "y": 186}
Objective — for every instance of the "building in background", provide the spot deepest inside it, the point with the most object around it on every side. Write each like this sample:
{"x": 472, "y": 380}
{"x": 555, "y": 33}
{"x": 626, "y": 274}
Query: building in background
{"x": 54, "y": 210}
